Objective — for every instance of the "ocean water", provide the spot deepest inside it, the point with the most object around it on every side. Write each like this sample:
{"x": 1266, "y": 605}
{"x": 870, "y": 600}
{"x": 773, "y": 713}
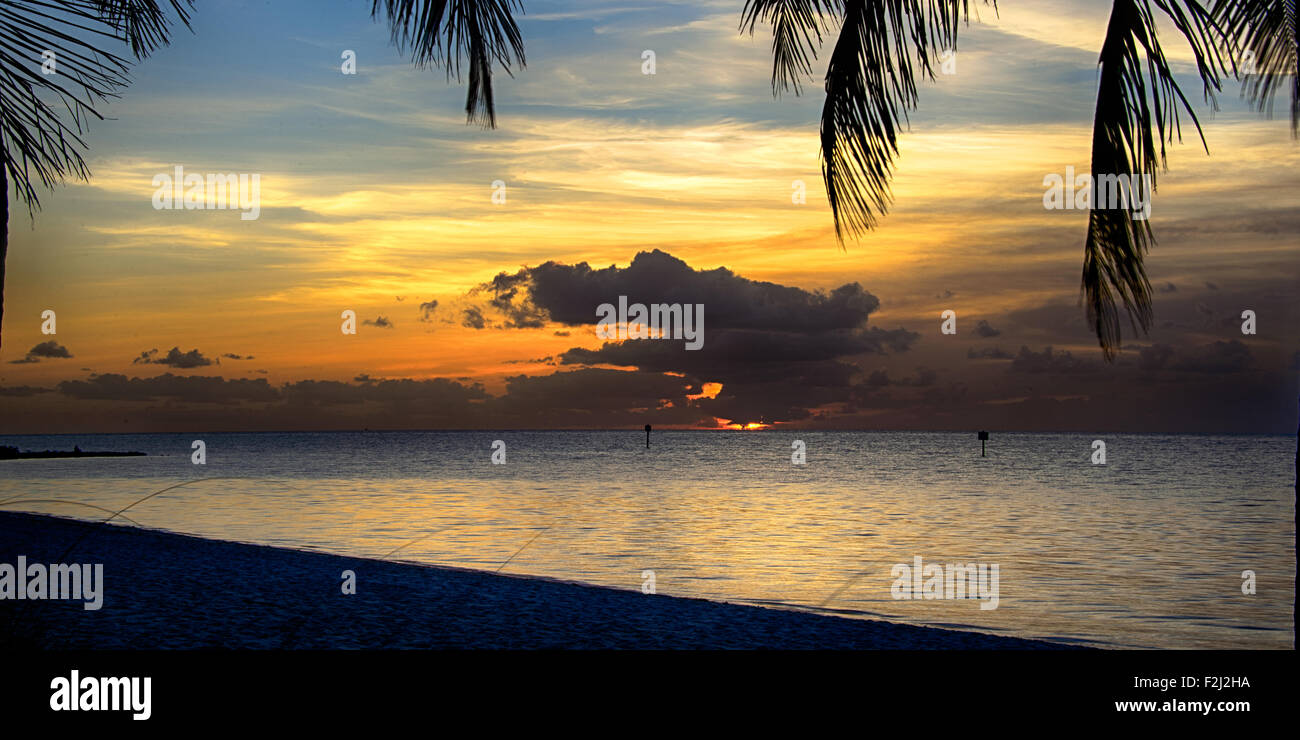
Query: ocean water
{"x": 1147, "y": 550}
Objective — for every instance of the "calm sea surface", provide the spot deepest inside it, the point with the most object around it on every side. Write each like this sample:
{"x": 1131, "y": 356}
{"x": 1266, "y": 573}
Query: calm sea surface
{"x": 1145, "y": 551}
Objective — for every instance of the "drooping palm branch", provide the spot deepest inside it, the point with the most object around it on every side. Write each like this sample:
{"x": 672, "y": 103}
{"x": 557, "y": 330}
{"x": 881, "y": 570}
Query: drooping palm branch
{"x": 1137, "y": 114}
{"x": 870, "y": 85}
{"x": 797, "y": 27}
{"x": 449, "y": 33}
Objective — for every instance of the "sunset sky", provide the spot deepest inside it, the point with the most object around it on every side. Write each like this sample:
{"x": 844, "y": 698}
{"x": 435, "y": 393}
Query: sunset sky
{"x": 376, "y": 197}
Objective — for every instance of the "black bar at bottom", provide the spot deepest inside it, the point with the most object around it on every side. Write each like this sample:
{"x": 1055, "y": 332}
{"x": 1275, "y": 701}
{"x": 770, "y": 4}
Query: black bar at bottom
{"x": 932, "y": 690}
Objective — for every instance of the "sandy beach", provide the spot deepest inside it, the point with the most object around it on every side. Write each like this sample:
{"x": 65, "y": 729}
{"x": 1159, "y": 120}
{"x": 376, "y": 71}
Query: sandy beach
{"x": 172, "y": 591}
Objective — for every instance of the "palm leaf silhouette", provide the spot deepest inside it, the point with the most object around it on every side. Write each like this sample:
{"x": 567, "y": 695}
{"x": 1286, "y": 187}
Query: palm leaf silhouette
{"x": 1265, "y": 43}
{"x": 870, "y": 85}
{"x": 452, "y": 33}
{"x": 1137, "y": 113}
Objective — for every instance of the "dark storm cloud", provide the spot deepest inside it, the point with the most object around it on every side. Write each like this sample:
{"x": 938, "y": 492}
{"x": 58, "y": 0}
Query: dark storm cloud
{"x": 570, "y": 294}
{"x": 775, "y": 349}
{"x": 174, "y": 358}
{"x": 50, "y": 350}
{"x": 233, "y": 356}
{"x": 985, "y": 329}
{"x": 1167, "y": 288}
{"x": 427, "y": 309}
{"x": 381, "y": 321}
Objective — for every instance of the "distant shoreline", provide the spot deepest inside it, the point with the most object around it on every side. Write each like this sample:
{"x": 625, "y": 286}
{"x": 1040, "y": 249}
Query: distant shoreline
{"x": 174, "y": 591}
{"x": 13, "y": 453}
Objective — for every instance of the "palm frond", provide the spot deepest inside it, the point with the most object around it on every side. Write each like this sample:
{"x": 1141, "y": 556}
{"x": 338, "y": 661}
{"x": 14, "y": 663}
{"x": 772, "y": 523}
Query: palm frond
{"x": 797, "y": 27}
{"x": 452, "y": 33}
{"x": 1137, "y": 113}
{"x": 1265, "y": 33}
{"x": 870, "y": 87}
{"x": 43, "y": 116}
{"x": 144, "y": 25}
